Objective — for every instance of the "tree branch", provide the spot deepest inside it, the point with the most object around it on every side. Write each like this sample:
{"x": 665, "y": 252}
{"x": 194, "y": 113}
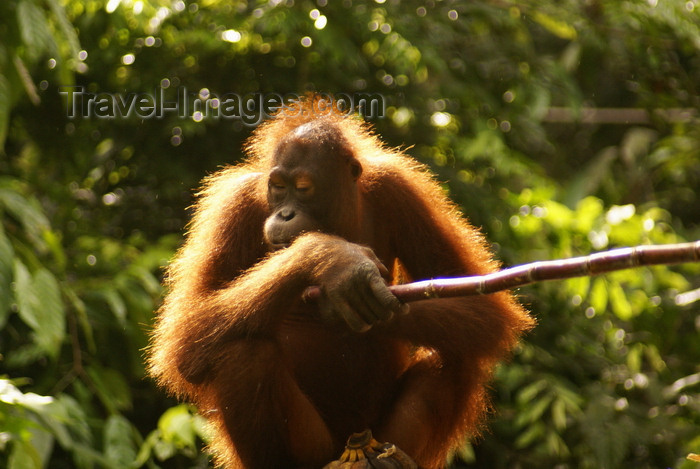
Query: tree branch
{"x": 593, "y": 264}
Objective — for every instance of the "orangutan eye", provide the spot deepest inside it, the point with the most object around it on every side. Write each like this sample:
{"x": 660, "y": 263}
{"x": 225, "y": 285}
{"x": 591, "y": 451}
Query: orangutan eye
{"x": 304, "y": 185}
{"x": 276, "y": 182}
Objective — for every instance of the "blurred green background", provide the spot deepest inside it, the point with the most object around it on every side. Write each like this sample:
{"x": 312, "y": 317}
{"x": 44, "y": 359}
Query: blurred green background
{"x": 561, "y": 127}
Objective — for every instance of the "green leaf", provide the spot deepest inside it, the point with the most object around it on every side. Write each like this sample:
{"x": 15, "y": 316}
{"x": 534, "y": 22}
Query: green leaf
{"x": 559, "y": 215}
{"x": 599, "y": 295}
{"x": 31, "y": 443}
{"x": 27, "y": 211}
{"x": 6, "y": 255}
{"x": 116, "y": 304}
{"x": 533, "y": 411}
{"x": 555, "y": 26}
{"x": 176, "y": 426}
{"x": 634, "y": 358}
{"x": 149, "y": 282}
{"x": 112, "y": 388}
{"x": 570, "y": 398}
{"x": 556, "y": 445}
{"x": 578, "y": 286}
{"x": 63, "y": 414}
{"x": 653, "y": 356}
{"x": 26, "y": 299}
{"x": 66, "y": 27}
{"x": 78, "y": 306}
{"x": 588, "y": 210}
{"x": 618, "y": 300}
{"x": 529, "y": 436}
{"x": 25, "y": 355}
{"x": 119, "y": 441}
{"x": 40, "y": 306}
{"x": 53, "y": 242}
{"x": 5, "y": 106}
{"x": 10, "y": 394}
{"x": 530, "y": 391}
{"x": 34, "y": 29}
{"x": 164, "y": 449}
{"x": 466, "y": 452}
{"x": 559, "y": 414}
{"x": 147, "y": 447}
{"x": 24, "y": 456}
{"x": 53, "y": 315}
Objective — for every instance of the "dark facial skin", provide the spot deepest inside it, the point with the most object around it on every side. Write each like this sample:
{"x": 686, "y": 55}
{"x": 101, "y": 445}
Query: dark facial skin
{"x": 313, "y": 179}
{"x": 305, "y": 185}
{"x": 292, "y": 196}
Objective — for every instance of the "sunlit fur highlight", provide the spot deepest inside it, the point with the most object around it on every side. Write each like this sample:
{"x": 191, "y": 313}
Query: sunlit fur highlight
{"x": 229, "y": 301}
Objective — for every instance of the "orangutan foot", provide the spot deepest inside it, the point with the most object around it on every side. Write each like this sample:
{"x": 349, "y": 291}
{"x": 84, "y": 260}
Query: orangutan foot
{"x": 364, "y": 452}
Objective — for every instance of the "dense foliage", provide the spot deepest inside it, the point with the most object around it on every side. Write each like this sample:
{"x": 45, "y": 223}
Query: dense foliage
{"x": 492, "y": 94}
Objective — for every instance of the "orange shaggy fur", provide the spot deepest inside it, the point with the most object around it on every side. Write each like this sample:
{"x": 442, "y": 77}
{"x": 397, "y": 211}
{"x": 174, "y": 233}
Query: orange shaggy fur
{"x": 279, "y": 386}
